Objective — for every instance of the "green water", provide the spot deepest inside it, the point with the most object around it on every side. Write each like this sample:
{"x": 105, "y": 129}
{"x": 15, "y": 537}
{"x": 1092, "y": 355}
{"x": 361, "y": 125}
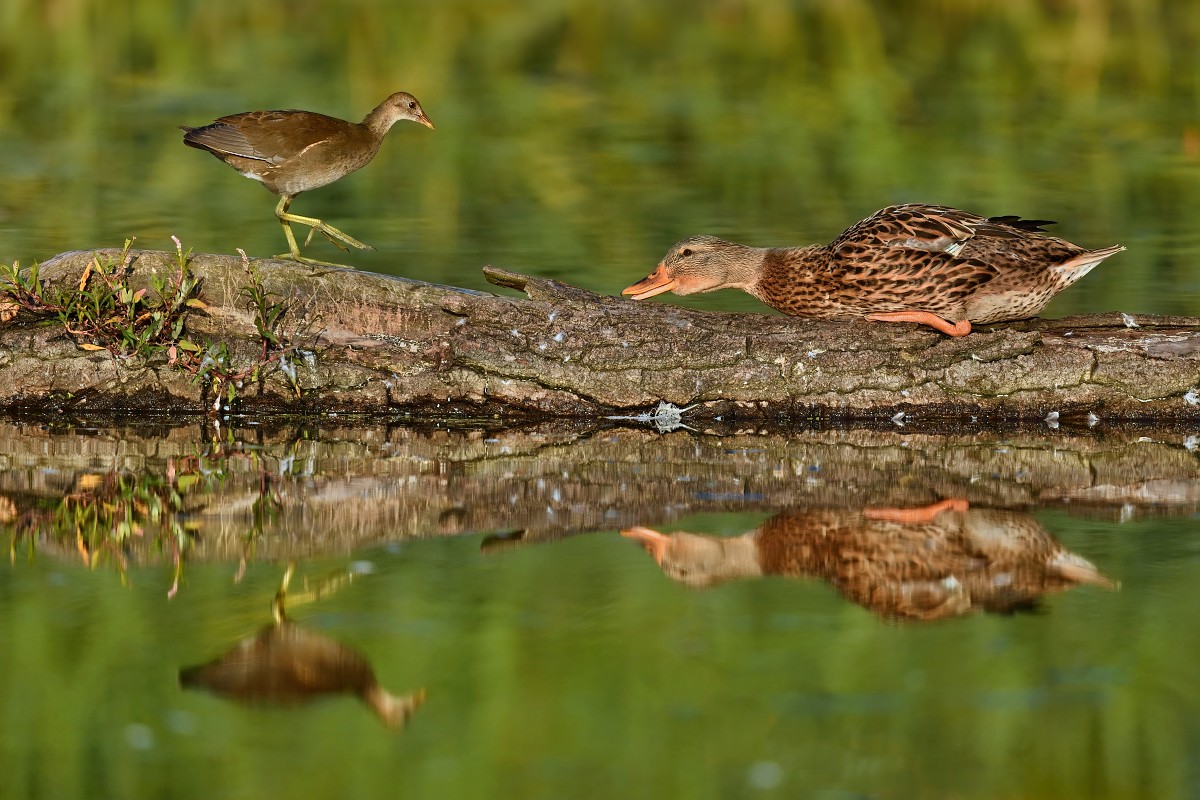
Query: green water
{"x": 579, "y": 140}
{"x": 577, "y": 670}
{"x": 557, "y": 659}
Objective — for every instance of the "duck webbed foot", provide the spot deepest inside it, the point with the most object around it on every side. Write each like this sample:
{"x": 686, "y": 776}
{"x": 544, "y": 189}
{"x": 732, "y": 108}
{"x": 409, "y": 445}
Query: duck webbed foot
{"x": 917, "y": 516}
{"x": 961, "y": 328}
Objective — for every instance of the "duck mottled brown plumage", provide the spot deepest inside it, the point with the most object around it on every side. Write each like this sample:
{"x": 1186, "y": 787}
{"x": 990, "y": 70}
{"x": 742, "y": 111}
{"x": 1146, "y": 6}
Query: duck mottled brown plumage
{"x": 932, "y": 265}
{"x": 929, "y": 563}
{"x": 291, "y": 152}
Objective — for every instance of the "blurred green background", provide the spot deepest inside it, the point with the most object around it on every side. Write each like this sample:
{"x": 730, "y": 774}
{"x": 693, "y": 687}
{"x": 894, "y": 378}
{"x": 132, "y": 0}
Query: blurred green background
{"x": 580, "y": 139}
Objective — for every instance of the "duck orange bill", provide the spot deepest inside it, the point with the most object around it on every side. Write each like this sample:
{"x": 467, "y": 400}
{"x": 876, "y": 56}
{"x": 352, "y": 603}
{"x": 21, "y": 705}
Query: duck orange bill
{"x": 656, "y": 282}
{"x": 654, "y": 542}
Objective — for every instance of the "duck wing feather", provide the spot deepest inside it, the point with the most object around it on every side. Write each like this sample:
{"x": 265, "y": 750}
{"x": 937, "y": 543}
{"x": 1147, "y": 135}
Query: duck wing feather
{"x": 936, "y": 228}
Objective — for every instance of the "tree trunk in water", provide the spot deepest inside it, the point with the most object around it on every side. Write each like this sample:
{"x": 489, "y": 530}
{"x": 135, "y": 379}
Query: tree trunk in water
{"x": 356, "y": 342}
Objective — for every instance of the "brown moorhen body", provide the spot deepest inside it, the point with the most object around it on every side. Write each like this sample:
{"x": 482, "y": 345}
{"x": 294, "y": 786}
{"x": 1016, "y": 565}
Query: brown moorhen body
{"x": 291, "y": 152}
{"x": 286, "y": 664}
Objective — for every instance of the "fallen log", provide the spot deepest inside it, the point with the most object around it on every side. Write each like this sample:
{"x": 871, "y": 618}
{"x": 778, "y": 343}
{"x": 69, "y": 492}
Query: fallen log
{"x": 353, "y": 342}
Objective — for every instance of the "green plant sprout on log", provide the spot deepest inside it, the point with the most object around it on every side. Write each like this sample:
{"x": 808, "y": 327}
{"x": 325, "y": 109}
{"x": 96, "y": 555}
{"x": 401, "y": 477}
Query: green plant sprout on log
{"x": 105, "y": 313}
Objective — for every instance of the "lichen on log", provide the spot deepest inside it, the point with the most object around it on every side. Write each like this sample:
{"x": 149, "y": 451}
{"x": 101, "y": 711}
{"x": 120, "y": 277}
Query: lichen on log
{"x": 374, "y": 344}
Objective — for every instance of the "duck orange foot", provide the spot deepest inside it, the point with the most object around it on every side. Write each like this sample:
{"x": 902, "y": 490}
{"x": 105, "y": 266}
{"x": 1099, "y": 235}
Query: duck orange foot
{"x": 917, "y": 516}
{"x": 961, "y": 328}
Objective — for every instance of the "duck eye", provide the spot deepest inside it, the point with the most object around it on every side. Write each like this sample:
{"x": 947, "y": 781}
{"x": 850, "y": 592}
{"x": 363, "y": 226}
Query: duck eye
{"x": 685, "y": 252}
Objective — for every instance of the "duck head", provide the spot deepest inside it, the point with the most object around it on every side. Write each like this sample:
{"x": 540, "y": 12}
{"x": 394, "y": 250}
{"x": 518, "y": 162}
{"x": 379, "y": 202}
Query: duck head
{"x": 696, "y": 560}
{"x": 701, "y": 264}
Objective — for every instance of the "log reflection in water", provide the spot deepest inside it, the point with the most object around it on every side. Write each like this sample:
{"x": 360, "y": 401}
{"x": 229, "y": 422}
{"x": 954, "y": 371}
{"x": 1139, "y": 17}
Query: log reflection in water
{"x": 287, "y": 664}
{"x": 938, "y": 561}
{"x": 337, "y": 487}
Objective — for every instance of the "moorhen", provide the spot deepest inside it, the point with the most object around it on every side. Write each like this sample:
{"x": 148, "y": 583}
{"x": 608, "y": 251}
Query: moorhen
{"x": 291, "y": 152}
{"x": 286, "y": 664}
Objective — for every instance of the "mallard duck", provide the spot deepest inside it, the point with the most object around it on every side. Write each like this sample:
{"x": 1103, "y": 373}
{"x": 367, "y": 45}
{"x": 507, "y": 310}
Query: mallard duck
{"x": 291, "y": 152}
{"x": 932, "y": 265}
{"x": 937, "y": 561}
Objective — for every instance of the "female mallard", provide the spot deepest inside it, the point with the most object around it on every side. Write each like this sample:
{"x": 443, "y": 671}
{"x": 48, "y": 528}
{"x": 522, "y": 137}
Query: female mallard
{"x": 937, "y": 561}
{"x": 933, "y": 265}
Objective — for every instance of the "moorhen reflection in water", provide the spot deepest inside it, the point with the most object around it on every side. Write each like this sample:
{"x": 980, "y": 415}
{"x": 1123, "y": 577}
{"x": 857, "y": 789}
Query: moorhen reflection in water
{"x": 286, "y": 664}
{"x": 924, "y": 563}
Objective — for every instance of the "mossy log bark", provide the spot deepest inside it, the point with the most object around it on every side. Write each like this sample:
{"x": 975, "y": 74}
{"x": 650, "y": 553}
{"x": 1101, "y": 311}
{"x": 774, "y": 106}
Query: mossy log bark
{"x": 374, "y": 344}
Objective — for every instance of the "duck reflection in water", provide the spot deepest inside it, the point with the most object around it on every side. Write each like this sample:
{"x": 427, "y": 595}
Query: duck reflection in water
{"x": 285, "y": 664}
{"x": 927, "y": 563}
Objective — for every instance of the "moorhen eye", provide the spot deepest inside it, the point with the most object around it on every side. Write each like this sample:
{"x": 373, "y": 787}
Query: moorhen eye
{"x": 685, "y": 252}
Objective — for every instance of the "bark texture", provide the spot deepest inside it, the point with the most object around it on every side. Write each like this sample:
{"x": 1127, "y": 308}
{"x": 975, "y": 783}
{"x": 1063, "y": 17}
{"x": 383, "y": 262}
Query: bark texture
{"x": 373, "y": 344}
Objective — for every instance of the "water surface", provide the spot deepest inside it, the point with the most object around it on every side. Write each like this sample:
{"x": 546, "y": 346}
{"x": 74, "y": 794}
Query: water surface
{"x": 556, "y": 657}
{"x": 484, "y": 569}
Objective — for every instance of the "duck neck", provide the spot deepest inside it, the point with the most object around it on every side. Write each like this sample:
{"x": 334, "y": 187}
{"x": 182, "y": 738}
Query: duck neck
{"x": 782, "y": 268}
{"x": 740, "y": 558}
{"x": 743, "y": 267}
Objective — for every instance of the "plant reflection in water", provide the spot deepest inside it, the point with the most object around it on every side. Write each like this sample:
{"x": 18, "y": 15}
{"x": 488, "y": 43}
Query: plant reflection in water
{"x": 287, "y": 664}
{"x": 937, "y": 561}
